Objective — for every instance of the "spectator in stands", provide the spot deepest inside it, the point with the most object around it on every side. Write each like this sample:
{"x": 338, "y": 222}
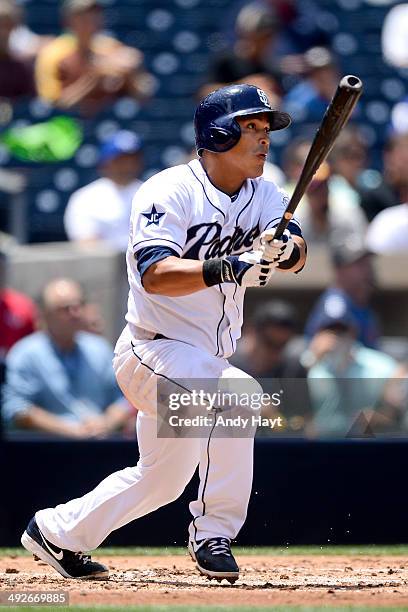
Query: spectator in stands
{"x": 346, "y": 380}
{"x": 323, "y": 218}
{"x": 395, "y": 36}
{"x": 270, "y": 39}
{"x": 101, "y": 210}
{"x": 307, "y": 101}
{"x": 268, "y": 351}
{"x": 16, "y": 76}
{"x": 348, "y": 161}
{"x": 322, "y": 213}
{"x": 87, "y": 69}
{"x": 17, "y": 313}
{"x": 301, "y": 25}
{"x": 388, "y": 231}
{"x": 263, "y": 350}
{"x": 60, "y": 380}
{"x": 350, "y": 292}
{"x": 251, "y": 60}
{"x": 294, "y": 156}
{"x": 392, "y": 189}
{"x": 93, "y": 319}
{"x": 25, "y": 43}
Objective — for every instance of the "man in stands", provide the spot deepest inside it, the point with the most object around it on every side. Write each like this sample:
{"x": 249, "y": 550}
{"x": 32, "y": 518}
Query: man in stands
{"x": 350, "y": 292}
{"x": 60, "y": 380}
{"x": 101, "y": 210}
{"x": 87, "y": 69}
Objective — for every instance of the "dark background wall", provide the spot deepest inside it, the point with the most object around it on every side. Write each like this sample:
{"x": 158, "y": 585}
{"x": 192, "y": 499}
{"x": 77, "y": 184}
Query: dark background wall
{"x": 303, "y": 493}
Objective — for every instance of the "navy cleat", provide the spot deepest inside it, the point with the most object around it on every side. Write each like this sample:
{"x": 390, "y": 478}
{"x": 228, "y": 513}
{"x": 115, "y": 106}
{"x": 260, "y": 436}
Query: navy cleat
{"x": 68, "y": 564}
{"x": 214, "y": 559}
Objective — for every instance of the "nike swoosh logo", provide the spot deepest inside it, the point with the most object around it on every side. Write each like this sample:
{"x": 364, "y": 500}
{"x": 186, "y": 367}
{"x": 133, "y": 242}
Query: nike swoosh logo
{"x": 59, "y": 555}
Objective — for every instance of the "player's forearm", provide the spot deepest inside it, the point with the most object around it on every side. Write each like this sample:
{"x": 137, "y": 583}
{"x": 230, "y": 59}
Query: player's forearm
{"x": 174, "y": 277}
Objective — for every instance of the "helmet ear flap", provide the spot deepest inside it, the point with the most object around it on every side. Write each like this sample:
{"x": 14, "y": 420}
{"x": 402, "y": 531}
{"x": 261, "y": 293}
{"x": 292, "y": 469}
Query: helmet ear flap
{"x": 219, "y": 135}
{"x": 224, "y": 137}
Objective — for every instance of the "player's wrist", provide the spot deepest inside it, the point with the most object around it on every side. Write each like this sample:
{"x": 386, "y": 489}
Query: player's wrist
{"x": 217, "y": 271}
{"x": 294, "y": 259}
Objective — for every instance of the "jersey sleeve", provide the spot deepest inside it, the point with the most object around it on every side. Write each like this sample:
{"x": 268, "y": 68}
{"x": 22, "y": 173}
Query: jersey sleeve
{"x": 159, "y": 217}
{"x": 274, "y": 203}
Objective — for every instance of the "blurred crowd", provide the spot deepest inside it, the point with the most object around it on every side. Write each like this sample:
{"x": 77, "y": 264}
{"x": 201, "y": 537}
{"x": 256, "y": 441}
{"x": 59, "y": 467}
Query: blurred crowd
{"x": 340, "y": 375}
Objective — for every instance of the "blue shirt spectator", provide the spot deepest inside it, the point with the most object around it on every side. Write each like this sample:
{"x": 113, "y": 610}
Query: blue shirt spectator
{"x": 73, "y": 384}
{"x": 337, "y": 404}
{"x": 336, "y": 300}
{"x": 346, "y": 380}
{"x": 308, "y": 100}
{"x": 60, "y": 380}
{"x": 350, "y": 292}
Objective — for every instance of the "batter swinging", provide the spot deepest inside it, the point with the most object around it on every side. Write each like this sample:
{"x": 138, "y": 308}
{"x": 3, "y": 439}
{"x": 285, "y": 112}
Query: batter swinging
{"x": 198, "y": 234}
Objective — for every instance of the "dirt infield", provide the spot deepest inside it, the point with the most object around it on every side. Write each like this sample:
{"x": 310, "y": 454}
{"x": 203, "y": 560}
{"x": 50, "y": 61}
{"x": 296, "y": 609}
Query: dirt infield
{"x": 265, "y": 580}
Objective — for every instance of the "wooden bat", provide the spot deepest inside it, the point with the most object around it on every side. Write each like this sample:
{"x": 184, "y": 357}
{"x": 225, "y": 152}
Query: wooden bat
{"x": 335, "y": 118}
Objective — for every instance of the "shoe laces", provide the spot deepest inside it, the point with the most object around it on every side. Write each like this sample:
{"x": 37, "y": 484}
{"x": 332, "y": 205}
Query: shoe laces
{"x": 80, "y": 557}
{"x": 219, "y": 546}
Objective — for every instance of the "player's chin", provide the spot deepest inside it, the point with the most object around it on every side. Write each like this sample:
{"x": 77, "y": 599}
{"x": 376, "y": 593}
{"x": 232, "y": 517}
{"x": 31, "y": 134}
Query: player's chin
{"x": 257, "y": 168}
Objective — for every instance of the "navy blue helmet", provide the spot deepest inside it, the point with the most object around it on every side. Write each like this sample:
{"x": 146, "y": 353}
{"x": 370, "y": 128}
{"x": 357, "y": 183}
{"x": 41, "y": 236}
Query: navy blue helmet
{"x": 215, "y": 125}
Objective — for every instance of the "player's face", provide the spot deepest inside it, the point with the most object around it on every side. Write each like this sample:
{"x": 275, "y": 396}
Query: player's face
{"x": 250, "y": 153}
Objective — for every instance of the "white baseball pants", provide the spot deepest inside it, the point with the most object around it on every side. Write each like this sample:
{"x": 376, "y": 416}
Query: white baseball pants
{"x": 165, "y": 465}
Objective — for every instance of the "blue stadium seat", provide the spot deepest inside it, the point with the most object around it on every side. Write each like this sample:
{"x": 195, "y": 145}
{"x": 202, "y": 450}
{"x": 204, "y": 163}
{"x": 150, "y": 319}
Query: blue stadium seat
{"x": 176, "y": 37}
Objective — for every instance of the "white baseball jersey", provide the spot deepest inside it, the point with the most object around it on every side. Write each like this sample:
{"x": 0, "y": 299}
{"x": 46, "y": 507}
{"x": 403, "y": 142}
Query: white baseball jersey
{"x": 180, "y": 208}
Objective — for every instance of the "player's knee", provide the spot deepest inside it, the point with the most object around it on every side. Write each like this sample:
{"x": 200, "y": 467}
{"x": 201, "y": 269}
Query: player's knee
{"x": 168, "y": 492}
{"x": 166, "y": 489}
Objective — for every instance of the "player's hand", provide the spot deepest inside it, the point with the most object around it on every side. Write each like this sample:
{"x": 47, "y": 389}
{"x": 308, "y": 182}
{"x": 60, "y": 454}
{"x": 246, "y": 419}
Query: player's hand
{"x": 276, "y": 251}
{"x": 246, "y": 270}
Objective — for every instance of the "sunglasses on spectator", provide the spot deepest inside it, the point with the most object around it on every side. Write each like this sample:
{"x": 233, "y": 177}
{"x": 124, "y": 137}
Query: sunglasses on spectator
{"x": 69, "y": 306}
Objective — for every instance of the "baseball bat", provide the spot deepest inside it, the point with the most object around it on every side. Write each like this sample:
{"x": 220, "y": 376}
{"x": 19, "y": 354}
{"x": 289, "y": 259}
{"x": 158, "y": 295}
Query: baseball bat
{"x": 335, "y": 118}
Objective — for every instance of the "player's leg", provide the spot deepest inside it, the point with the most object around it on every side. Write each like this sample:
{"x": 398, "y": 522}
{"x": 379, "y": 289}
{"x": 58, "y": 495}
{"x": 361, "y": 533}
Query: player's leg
{"x": 164, "y": 468}
{"x": 81, "y": 524}
{"x": 226, "y": 470}
{"x": 160, "y": 476}
{"x": 165, "y": 465}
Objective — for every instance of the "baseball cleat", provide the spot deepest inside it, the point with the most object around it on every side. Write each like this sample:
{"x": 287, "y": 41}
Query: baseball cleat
{"x": 69, "y": 564}
{"x": 214, "y": 559}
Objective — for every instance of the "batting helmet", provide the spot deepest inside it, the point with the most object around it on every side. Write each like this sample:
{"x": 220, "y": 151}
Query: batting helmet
{"x": 215, "y": 125}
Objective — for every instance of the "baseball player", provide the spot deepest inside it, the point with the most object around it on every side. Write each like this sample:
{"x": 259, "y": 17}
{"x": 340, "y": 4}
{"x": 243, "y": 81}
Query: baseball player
{"x": 198, "y": 235}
